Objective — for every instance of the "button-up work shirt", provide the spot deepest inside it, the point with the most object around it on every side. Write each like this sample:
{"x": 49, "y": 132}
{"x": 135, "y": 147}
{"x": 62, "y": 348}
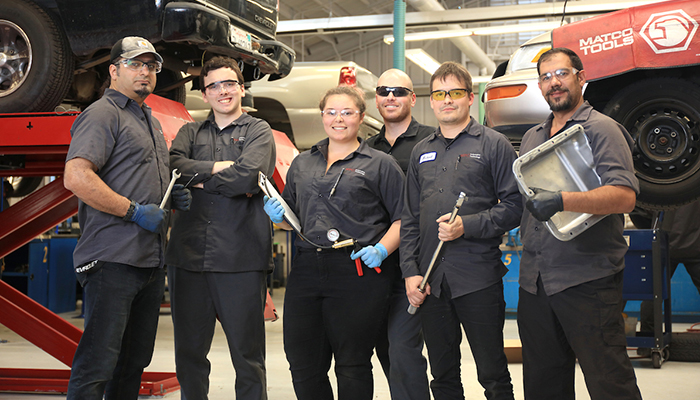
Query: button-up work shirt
{"x": 477, "y": 162}
{"x": 401, "y": 150}
{"x": 224, "y": 230}
{"x": 366, "y": 200}
{"x": 127, "y": 146}
{"x": 599, "y": 251}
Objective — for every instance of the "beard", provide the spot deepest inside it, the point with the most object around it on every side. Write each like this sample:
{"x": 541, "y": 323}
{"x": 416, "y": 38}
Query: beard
{"x": 143, "y": 92}
{"x": 405, "y": 113}
{"x": 563, "y": 104}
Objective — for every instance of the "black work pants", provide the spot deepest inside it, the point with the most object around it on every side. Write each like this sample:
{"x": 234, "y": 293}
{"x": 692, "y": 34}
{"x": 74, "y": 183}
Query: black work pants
{"x": 238, "y": 300}
{"x": 583, "y": 322}
{"x": 400, "y": 349}
{"x": 482, "y": 314}
{"x": 332, "y": 313}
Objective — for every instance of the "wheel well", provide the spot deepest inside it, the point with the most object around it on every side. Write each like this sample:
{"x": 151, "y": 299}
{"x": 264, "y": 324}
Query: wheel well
{"x": 599, "y": 92}
{"x": 275, "y": 114}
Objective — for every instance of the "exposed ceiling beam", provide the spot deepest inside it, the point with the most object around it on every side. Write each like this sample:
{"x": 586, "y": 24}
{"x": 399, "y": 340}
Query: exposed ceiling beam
{"x": 315, "y": 26}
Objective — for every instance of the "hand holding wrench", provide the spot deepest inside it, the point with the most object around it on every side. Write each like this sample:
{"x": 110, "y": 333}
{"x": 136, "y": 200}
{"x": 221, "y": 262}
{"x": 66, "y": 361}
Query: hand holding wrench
{"x": 421, "y": 287}
{"x": 176, "y": 176}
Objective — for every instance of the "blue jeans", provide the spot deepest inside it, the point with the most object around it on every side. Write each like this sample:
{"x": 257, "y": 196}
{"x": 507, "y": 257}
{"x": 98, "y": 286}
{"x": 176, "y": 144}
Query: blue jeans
{"x": 332, "y": 313}
{"x": 482, "y": 314}
{"x": 122, "y": 304}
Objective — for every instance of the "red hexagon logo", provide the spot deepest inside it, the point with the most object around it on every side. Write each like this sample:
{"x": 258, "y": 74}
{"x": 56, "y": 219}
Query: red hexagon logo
{"x": 669, "y": 31}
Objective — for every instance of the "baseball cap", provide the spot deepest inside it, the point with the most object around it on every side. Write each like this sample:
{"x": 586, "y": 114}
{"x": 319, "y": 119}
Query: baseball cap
{"x": 133, "y": 46}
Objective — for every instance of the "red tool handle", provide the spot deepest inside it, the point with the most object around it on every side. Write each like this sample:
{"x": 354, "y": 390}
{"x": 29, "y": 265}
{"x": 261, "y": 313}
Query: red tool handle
{"x": 358, "y": 264}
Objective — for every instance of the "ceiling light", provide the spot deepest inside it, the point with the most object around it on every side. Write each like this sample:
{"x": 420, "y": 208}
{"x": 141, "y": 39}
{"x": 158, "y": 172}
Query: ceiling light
{"x": 490, "y": 30}
{"x": 423, "y": 60}
{"x": 430, "y": 65}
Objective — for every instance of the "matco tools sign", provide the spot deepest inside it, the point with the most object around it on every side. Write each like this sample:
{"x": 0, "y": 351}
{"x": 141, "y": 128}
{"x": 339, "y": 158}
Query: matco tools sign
{"x": 654, "y": 36}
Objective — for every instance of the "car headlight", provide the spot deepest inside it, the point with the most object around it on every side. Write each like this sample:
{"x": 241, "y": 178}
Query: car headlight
{"x": 526, "y": 57}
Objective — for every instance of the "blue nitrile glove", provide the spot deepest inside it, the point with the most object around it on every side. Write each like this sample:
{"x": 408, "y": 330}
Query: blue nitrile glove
{"x": 372, "y": 256}
{"x": 544, "y": 204}
{"x": 181, "y": 198}
{"x": 150, "y": 217}
{"x": 274, "y": 209}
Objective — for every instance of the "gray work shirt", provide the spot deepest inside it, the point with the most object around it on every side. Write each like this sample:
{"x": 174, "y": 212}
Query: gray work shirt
{"x": 401, "y": 150}
{"x": 224, "y": 230}
{"x": 599, "y": 251}
{"x": 127, "y": 145}
{"x": 366, "y": 201}
{"x": 477, "y": 162}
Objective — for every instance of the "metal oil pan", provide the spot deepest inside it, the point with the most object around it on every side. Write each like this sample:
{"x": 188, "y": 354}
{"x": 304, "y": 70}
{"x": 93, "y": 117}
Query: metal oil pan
{"x": 564, "y": 162}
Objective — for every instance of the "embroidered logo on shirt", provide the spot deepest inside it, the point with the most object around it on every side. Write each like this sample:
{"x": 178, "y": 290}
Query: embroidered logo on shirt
{"x": 240, "y": 139}
{"x": 427, "y": 157}
{"x": 475, "y": 155}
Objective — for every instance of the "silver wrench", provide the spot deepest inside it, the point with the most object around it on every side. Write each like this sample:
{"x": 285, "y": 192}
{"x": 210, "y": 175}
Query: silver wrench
{"x": 176, "y": 176}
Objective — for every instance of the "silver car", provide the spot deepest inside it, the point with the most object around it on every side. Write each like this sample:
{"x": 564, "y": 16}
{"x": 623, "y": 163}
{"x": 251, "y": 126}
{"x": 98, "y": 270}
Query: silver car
{"x": 512, "y": 100}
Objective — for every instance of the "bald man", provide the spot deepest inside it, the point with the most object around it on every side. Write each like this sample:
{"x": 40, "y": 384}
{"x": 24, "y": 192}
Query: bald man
{"x": 400, "y": 346}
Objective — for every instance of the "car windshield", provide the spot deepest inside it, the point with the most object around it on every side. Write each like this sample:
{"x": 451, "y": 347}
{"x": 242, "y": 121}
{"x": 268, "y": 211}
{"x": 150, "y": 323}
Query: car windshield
{"x": 526, "y": 57}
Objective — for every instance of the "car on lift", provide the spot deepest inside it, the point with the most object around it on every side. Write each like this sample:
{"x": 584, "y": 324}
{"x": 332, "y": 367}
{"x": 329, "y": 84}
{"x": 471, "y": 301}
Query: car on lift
{"x": 54, "y": 51}
{"x": 642, "y": 70}
{"x": 290, "y": 105}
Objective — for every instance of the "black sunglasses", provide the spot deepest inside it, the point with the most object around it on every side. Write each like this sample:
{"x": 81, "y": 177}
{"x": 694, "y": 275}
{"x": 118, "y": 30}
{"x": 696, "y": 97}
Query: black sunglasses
{"x": 398, "y": 91}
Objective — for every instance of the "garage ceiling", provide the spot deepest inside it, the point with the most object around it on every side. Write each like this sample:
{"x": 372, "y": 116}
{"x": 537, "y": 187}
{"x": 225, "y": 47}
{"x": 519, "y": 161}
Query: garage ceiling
{"x": 323, "y": 30}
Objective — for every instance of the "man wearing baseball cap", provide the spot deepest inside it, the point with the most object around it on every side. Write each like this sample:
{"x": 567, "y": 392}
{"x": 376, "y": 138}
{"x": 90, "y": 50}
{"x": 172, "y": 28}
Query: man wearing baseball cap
{"x": 118, "y": 167}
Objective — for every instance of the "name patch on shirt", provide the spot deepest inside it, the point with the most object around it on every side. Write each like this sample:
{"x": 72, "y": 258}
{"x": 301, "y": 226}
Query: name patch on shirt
{"x": 427, "y": 157}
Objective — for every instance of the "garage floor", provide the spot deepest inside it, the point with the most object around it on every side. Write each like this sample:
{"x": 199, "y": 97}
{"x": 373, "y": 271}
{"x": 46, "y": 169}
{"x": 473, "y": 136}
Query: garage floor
{"x": 675, "y": 380}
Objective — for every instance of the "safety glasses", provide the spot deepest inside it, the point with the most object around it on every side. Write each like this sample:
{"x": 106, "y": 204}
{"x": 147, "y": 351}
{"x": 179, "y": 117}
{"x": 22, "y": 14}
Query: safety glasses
{"x": 136, "y": 65}
{"x": 439, "y": 95}
{"x": 397, "y": 91}
{"x": 218, "y": 86}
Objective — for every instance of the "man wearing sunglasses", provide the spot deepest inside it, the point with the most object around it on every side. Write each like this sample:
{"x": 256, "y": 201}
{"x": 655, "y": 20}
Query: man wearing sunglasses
{"x": 400, "y": 346}
{"x": 118, "y": 167}
{"x": 465, "y": 287}
{"x": 570, "y": 299}
{"x": 221, "y": 250}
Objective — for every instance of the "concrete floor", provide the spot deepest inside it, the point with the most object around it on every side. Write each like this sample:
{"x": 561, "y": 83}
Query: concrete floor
{"x": 674, "y": 381}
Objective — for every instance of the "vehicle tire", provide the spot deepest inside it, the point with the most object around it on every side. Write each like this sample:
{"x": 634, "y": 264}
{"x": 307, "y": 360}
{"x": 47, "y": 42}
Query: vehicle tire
{"x": 36, "y": 61}
{"x": 167, "y": 77}
{"x": 685, "y": 346}
{"x": 22, "y": 186}
{"x": 663, "y": 117}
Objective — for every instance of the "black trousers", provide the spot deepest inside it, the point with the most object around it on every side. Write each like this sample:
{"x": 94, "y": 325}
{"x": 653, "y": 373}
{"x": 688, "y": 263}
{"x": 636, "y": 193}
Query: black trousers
{"x": 583, "y": 322}
{"x": 482, "y": 314}
{"x": 332, "y": 313}
{"x": 238, "y": 301}
{"x": 400, "y": 349}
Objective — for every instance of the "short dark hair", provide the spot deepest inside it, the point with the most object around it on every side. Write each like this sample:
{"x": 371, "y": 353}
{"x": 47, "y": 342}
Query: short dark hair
{"x": 573, "y": 57}
{"x": 352, "y": 92}
{"x": 451, "y": 68}
{"x": 216, "y": 63}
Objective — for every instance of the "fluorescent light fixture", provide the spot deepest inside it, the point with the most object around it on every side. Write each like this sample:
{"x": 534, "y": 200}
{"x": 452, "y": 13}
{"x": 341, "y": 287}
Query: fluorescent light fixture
{"x": 423, "y": 60}
{"x": 429, "y": 64}
{"x": 490, "y": 30}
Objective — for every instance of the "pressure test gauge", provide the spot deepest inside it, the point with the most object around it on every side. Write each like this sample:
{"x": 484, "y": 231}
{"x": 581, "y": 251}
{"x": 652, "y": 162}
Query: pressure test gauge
{"x": 333, "y": 234}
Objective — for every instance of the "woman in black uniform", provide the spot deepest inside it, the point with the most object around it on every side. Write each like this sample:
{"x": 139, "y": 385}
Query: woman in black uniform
{"x": 333, "y": 306}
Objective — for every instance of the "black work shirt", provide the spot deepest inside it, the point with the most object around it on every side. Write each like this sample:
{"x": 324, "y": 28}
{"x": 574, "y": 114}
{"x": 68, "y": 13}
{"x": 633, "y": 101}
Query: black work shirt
{"x": 401, "y": 150}
{"x": 366, "y": 201}
{"x": 127, "y": 146}
{"x": 599, "y": 251}
{"x": 477, "y": 162}
{"x": 224, "y": 230}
